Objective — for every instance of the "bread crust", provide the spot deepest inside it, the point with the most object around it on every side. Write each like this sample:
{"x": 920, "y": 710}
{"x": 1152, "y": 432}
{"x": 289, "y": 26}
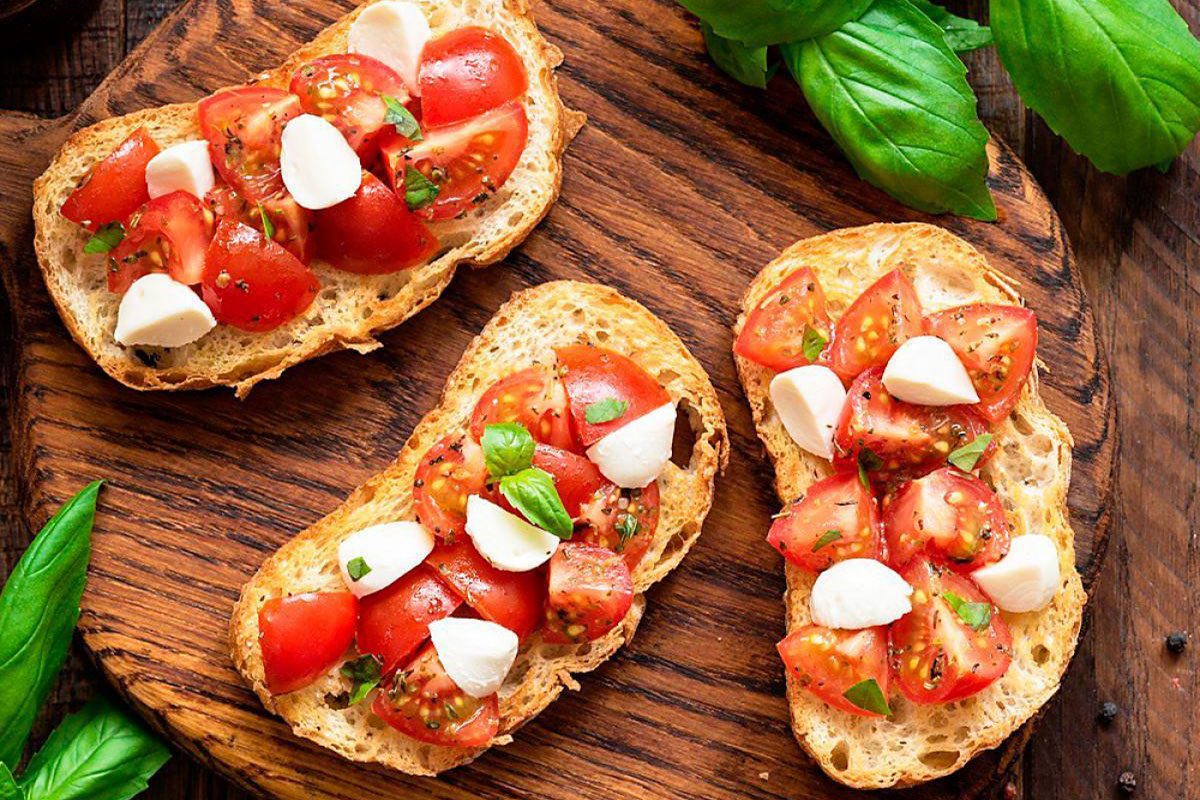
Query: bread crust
{"x": 523, "y": 332}
{"x": 351, "y": 310}
{"x": 1031, "y": 473}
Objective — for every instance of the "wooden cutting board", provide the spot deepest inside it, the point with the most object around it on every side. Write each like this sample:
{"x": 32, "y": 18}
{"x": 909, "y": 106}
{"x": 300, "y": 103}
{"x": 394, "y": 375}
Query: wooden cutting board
{"x": 679, "y": 189}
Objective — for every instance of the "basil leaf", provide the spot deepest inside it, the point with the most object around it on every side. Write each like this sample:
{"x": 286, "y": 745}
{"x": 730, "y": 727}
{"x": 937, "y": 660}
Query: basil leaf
{"x": 868, "y": 462}
{"x": 976, "y": 616}
{"x": 100, "y": 753}
{"x": 106, "y": 238}
{"x": 962, "y": 34}
{"x": 406, "y": 124}
{"x": 38, "y": 609}
{"x": 366, "y": 672}
{"x": 507, "y": 448}
{"x": 8, "y": 785}
{"x": 605, "y": 410}
{"x": 760, "y": 23}
{"x": 828, "y": 537}
{"x": 813, "y": 343}
{"x": 967, "y": 456}
{"x": 742, "y": 62}
{"x": 1118, "y": 79}
{"x": 419, "y": 191}
{"x": 627, "y": 528}
{"x": 869, "y": 697}
{"x": 358, "y": 568}
{"x": 268, "y": 226}
{"x": 532, "y": 492}
{"x": 895, "y": 98}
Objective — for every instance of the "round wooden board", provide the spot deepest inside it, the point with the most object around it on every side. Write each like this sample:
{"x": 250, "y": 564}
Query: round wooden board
{"x": 679, "y": 189}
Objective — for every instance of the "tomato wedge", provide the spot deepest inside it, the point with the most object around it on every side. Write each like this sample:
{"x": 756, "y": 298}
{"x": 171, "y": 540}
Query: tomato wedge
{"x": 423, "y": 702}
{"x": 373, "y": 232}
{"x": 451, "y": 470}
{"x": 348, "y": 90}
{"x": 466, "y": 72}
{"x": 893, "y": 440}
{"x": 837, "y": 518}
{"x": 590, "y": 593}
{"x": 513, "y": 599}
{"x": 467, "y": 162}
{"x": 774, "y": 331}
{"x": 289, "y": 224}
{"x": 940, "y": 654}
{"x": 874, "y": 325}
{"x": 304, "y": 636}
{"x": 594, "y": 374}
{"x": 169, "y": 234}
{"x": 533, "y": 397}
{"x": 115, "y": 187}
{"x": 576, "y": 478}
{"x": 621, "y": 520}
{"x": 950, "y": 515}
{"x": 244, "y": 129}
{"x": 253, "y": 284}
{"x": 997, "y": 344}
{"x": 829, "y": 662}
{"x": 393, "y": 622}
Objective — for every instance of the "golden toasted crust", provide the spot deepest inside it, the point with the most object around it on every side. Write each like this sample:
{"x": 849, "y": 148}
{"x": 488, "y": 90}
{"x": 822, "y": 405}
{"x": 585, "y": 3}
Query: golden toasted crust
{"x": 522, "y": 333}
{"x": 351, "y": 309}
{"x": 1030, "y": 472}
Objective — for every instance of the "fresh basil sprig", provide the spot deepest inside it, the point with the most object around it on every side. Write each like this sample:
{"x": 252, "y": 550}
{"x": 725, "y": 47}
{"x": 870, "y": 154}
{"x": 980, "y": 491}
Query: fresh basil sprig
{"x": 743, "y": 62}
{"x": 976, "y": 616}
{"x": 399, "y": 116}
{"x": 507, "y": 448}
{"x": 813, "y": 343}
{"x": 366, "y": 672}
{"x": 762, "y": 23}
{"x": 962, "y": 34}
{"x": 869, "y": 697}
{"x": 605, "y": 410}
{"x": 103, "y": 240}
{"x": 532, "y": 492}
{"x": 419, "y": 191}
{"x": 967, "y": 456}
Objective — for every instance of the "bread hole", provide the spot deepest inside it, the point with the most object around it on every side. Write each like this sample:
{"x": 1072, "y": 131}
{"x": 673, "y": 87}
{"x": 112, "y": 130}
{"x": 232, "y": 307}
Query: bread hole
{"x": 1041, "y": 654}
{"x": 683, "y": 446}
{"x": 1022, "y": 424}
{"x": 939, "y": 759}
{"x": 602, "y": 335}
{"x": 936, "y": 738}
{"x": 1041, "y": 445}
{"x": 515, "y": 218}
{"x": 840, "y": 756}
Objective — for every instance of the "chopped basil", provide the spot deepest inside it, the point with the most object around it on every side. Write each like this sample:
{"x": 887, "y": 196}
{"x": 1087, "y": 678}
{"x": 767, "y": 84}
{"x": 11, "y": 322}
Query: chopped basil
{"x": 813, "y": 343}
{"x": 366, "y": 672}
{"x": 867, "y": 461}
{"x": 967, "y": 456}
{"x": 829, "y": 537}
{"x": 974, "y": 615}
{"x": 406, "y": 124}
{"x": 357, "y": 568}
{"x": 106, "y": 238}
{"x": 605, "y": 410}
{"x": 532, "y": 492}
{"x": 419, "y": 191}
{"x": 869, "y": 697}
{"x": 627, "y": 527}
{"x": 507, "y": 448}
{"x": 268, "y": 226}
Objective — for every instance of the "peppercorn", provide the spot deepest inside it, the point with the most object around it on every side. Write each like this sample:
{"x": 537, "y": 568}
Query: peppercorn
{"x": 1127, "y": 783}
{"x": 1108, "y": 712}
{"x": 1176, "y": 642}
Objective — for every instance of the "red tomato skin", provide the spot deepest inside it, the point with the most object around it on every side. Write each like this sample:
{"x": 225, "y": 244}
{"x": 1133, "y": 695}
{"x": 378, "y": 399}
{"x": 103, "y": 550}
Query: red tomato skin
{"x": 601, "y": 519}
{"x": 292, "y": 223}
{"x": 458, "y": 460}
{"x": 393, "y": 622}
{"x": 304, "y": 636}
{"x": 890, "y": 298}
{"x": 253, "y": 284}
{"x": 773, "y": 333}
{"x": 244, "y": 129}
{"x": 372, "y": 233}
{"x": 466, "y": 72}
{"x": 115, "y": 187}
{"x": 513, "y": 599}
{"x": 533, "y": 397}
{"x": 177, "y": 218}
{"x": 837, "y": 502}
{"x": 348, "y": 90}
{"x": 921, "y": 516}
{"x": 968, "y": 329}
{"x": 590, "y": 593}
{"x": 863, "y": 654}
{"x": 576, "y": 478}
{"x": 591, "y": 374}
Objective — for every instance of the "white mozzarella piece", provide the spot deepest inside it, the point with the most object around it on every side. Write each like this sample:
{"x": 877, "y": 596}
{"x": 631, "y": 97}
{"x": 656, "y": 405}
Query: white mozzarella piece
{"x": 183, "y": 167}
{"x": 319, "y": 168}
{"x": 1025, "y": 579}
{"x": 809, "y": 400}
{"x": 475, "y": 653}
{"x": 634, "y": 454}
{"x": 394, "y": 32}
{"x": 160, "y": 311}
{"x": 859, "y": 593}
{"x": 926, "y": 371}
{"x": 388, "y": 552}
{"x": 505, "y": 540}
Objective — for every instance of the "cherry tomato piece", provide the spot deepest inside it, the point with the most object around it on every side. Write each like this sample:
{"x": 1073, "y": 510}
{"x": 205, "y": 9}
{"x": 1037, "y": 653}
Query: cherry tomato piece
{"x": 114, "y": 187}
{"x": 533, "y": 397}
{"x": 874, "y": 325}
{"x": 304, "y": 636}
{"x": 348, "y": 89}
{"x": 829, "y": 662}
{"x": 837, "y": 518}
{"x": 774, "y": 332}
{"x": 594, "y": 374}
{"x": 244, "y": 129}
{"x": 169, "y": 233}
{"x": 288, "y": 223}
{"x": 515, "y": 600}
{"x": 590, "y": 593}
{"x": 451, "y": 470}
{"x": 393, "y": 622}
{"x": 466, "y": 72}
{"x": 621, "y": 520}
{"x": 373, "y": 232}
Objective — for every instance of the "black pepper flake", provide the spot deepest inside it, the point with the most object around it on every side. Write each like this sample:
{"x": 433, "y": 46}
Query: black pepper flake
{"x": 1127, "y": 783}
{"x": 1108, "y": 712}
{"x": 1176, "y": 642}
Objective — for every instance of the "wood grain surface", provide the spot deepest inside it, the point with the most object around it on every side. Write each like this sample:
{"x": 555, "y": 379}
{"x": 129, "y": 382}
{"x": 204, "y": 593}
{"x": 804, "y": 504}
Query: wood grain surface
{"x": 681, "y": 187}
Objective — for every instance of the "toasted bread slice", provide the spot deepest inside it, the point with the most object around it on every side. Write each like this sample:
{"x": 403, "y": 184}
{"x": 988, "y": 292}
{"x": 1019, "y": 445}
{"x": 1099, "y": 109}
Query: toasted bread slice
{"x": 1030, "y": 472}
{"x": 350, "y": 309}
{"x": 522, "y": 333}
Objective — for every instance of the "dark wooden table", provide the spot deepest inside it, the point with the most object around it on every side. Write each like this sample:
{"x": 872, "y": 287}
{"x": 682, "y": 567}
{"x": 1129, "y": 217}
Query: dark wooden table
{"x": 1136, "y": 240}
